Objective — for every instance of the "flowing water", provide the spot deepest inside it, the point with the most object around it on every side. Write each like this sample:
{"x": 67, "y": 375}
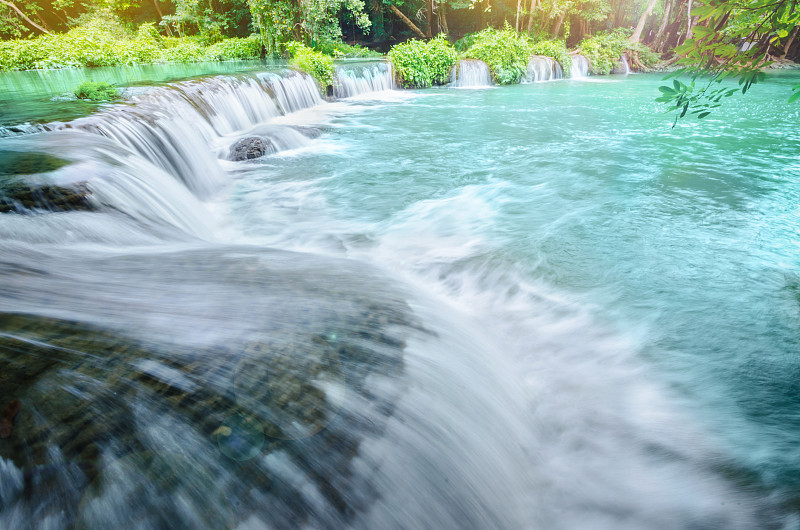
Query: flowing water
{"x": 537, "y": 306}
{"x": 470, "y": 73}
{"x": 580, "y": 66}
{"x": 541, "y": 68}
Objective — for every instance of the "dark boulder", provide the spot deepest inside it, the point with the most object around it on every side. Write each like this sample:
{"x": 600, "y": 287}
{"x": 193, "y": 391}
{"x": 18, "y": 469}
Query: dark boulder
{"x": 250, "y": 148}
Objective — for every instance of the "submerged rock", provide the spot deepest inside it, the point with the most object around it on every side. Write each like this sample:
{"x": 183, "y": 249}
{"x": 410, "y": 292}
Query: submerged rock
{"x": 21, "y": 196}
{"x": 14, "y": 163}
{"x": 7, "y": 419}
{"x": 250, "y": 148}
{"x": 302, "y": 361}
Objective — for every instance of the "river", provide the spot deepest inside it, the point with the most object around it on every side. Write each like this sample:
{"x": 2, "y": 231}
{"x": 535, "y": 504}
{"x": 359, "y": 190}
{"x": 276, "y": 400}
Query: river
{"x": 535, "y": 306}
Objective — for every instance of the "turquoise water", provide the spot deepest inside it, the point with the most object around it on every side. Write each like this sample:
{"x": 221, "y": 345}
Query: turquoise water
{"x": 683, "y": 239}
{"x": 48, "y": 95}
{"x": 535, "y": 306}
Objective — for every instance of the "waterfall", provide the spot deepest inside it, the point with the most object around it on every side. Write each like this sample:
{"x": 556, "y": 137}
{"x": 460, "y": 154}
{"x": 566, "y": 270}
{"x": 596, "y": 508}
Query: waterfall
{"x": 470, "y": 73}
{"x": 541, "y": 68}
{"x": 356, "y": 79}
{"x": 622, "y": 67}
{"x": 151, "y": 157}
{"x": 580, "y": 67}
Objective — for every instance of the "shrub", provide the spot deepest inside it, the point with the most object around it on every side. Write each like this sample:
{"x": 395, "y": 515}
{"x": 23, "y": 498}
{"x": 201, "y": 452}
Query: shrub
{"x": 96, "y": 91}
{"x": 555, "y": 49}
{"x": 341, "y": 50}
{"x": 505, "y": 51}
{"x": 604, "y": 50}
{"x": 317, "y": 64}
{"x": 421, "y": 64}
{"x": 235, "y": 49}
{"x": 182, "y": 50}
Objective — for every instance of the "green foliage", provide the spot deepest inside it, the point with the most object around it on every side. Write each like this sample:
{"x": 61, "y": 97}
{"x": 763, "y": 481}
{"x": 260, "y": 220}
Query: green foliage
{"x": 421, "y": 64}
{"x": 95, "y": 44}
{"x": 341, "y": 50}
{"x": 235, "y": 49}
{"x": 505, "y": 51}
{"x": 604, "y": 50}
{"x": 556, "y": 49}
{"x": 96, "y": 91}
{"x": 312, "y": 21}
{"x": 317, "y": 64}
{"x": 713, "y": 53}
{"x": 464, "y": 43}
{"x": 182, "y": 50}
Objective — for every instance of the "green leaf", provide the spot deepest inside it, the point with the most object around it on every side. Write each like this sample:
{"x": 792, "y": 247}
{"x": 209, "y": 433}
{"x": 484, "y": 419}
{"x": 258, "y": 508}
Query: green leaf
{"x": 703, "y": 115}
{"x": 666, "y": 89}
{"x": 677, "y": 85}
{"x": 794, "y": 97}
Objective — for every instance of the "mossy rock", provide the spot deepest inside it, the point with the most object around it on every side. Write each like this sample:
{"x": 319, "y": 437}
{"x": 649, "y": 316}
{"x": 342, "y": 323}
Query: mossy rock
{"x": 21, "y": 196}
{"x": 29, "y": 163}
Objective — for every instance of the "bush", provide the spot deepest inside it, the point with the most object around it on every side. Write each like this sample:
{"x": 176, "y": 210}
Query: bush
{"x": 235, "y": 49}
{"x": 421, "y": 64}
{"x": 604, "y": 50}
{"x": 555, "y": 49}
{"x": 341, "y": 50}
{"x": 505, "y": 51}
{"x": 182, "y": 50}
{"x": 96, "y": 91}
{"x": 317, "y": 64}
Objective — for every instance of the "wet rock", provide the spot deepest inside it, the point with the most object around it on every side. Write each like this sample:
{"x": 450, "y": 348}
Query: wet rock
{"x": 21, "y": 196}
{"x": 251, "y": 148}
{"x": 7, "y": 419}
{"x": 13, "y": 163}
{"x": 316, "y": 370}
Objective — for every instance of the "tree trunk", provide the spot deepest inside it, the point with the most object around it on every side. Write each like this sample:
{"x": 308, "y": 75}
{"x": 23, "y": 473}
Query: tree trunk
{"x": 658, "y": 41}
{"x": 160, "y": 16}
{"x": 637, "y": 33}
{"x": 789, "y": 42}
{"x": 516, "y": 19}
{"x": 530, "y": 16}
{"x": 688, "y": 21}
{"x": 429, "y": 18}
{"x": 557, "y": 25}
{"x": 443, "y": 17}
{"x": 24, "y": 16}
{"x": 402, "y": 17}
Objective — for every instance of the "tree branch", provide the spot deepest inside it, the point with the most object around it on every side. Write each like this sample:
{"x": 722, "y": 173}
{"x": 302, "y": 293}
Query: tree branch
{"x": 399, "y": 14}
{"x": 24, "y": 16}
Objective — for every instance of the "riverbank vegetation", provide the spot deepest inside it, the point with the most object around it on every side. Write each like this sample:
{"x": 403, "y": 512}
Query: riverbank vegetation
{"x": 727, "y": 37}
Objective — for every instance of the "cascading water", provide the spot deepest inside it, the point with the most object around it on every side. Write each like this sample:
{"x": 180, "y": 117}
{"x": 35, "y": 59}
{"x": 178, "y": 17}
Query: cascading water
{"x": 541, "y": 68}
{"x": 364, "y": 334}
{"x": 355, "y": 79}
{"x": 622, "y": 67}
{"x": 580, "y": 67}
{"x": 470, "y": 73}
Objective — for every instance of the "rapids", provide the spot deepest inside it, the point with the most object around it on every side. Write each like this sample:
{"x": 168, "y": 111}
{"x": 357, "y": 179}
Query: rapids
{"x": 535, "y": 306}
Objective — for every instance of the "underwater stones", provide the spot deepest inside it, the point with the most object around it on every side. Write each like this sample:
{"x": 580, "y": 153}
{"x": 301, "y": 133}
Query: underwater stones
{"x": 14, "y": 163}
{"x": 250, "y": 148}
{"x": 22, "y": 196}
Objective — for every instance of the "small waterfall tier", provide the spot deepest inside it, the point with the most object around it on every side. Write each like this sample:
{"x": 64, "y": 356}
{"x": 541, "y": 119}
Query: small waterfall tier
{"x": 541, "y": 68}
{"x": 622, "y": 66}
{"x": 580, "y": 66}
{"x": 470, "y": 73}
{"x": 153, "y": 156}
{"x": 362, "y": 78}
